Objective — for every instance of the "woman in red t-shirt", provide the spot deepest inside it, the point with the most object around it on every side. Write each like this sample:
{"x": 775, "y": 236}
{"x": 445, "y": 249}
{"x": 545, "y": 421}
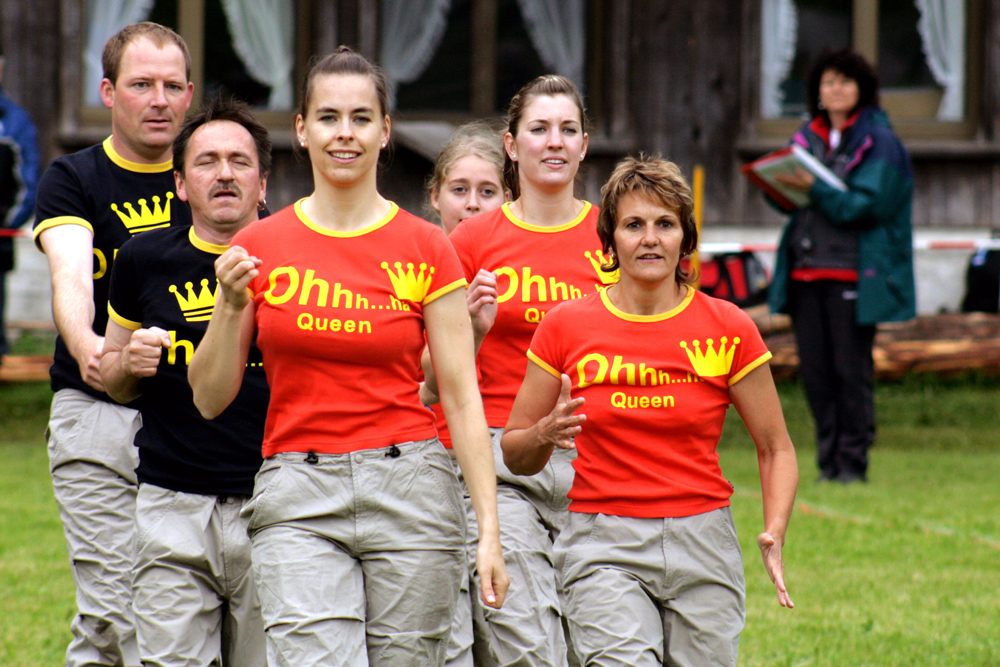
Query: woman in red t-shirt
{"x": 357, "y": 524}
{"x": 521, "y": 260}
{"x": 467, "y": 181}
{"x": 652, "y": 571}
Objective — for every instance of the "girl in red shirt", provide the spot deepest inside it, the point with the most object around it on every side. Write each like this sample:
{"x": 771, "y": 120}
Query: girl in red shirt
{"x": 521, "y": 260}
{"x": 357, "y": 525}
{"x": 652, "y": 571}
{"x": 467, "y": 181}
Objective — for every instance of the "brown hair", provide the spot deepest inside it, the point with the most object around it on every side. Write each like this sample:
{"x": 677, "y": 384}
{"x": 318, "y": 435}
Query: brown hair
{"x": 225, "y": 108}
{"x": 547, "y": 84}
{"x": 479, "y": 138}
{"x": 662, "y": 182}
{"x": 161, "y": 36}
{"x": 346, "y": 60}
{"x": 850, "y": 64}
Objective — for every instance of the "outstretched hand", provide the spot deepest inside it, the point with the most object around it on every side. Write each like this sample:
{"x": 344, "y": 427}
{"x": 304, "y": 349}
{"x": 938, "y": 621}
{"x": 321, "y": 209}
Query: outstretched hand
{"x": 770, "y": 551}
{"x": 560, "y": 426}
{"x": 235, "y": 268}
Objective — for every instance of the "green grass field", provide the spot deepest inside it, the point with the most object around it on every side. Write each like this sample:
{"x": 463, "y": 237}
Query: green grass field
{"x": 902, "y": 571}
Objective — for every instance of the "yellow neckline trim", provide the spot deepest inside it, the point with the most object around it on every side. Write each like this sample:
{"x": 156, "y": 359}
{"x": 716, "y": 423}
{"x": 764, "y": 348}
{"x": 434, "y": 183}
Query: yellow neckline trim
{"x": 546, "y": 230}
{"x": 203, "y": 245}
{"x": 138, "y": 167}
{"x": 659, "y": 317}
{"x": 393, "y": 210}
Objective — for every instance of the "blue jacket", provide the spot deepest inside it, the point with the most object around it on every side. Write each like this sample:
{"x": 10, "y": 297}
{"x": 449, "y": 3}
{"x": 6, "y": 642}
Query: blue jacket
{"x": 877, "y": 206}
{"x": 18, "y": 135}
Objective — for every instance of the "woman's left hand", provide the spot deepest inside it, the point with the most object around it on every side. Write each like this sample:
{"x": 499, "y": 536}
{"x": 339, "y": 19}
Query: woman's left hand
{"x": 770, "y": 551}
{"x": 492, "y": 570}
{"x": 800, "y": 180}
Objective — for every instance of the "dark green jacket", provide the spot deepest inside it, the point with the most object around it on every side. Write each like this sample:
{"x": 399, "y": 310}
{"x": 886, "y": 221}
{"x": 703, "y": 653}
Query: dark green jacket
{"x": 877, "y": 205}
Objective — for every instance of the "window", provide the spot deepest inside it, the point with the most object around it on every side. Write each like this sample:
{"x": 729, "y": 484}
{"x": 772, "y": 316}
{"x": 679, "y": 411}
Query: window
{"x": 253, "y": 54}
{"x": 924, "y": 51}
{"x": 468, "y": 57}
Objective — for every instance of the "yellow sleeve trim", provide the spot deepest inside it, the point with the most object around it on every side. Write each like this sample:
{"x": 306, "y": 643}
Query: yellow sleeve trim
{"x": 450, "y": 287}
{"x": 749, "y": 367}
{"x": 128, "y": 324}
{"x": 57, "y": 222}
{"x": 544, "y": 366}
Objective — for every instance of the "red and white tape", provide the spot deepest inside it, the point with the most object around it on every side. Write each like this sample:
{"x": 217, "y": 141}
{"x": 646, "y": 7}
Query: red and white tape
{"x": 957, "y": 244}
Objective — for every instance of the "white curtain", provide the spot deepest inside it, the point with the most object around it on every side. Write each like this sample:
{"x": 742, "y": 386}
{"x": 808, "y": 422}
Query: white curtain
{"x": 105, "y": 18}
{"x": 942, "y": 31}
{"x": 411, "y": 32}
{"x": 263, "y": 34}
{"x": 778, "y": 37}
{"x": 558, "y": 32}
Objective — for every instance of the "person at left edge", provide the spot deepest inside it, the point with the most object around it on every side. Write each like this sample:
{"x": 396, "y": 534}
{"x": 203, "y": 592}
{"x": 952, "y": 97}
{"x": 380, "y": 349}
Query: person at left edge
{"x": 193, "y": 593}
{"x": 89, "y": 204}
{"x": 18, "y": 184}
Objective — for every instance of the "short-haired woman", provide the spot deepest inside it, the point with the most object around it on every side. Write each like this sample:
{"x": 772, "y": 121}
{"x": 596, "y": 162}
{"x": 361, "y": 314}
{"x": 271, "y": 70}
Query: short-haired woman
{"x": 652, "y": 572}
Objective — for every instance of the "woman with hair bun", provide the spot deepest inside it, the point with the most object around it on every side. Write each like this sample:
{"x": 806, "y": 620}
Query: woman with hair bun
{"x": 356, "y": 523}
{"x": 521, "y": 260}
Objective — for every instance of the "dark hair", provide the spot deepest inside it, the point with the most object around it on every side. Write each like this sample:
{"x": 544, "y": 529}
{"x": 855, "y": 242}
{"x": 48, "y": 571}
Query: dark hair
{"x": 230, "y": 109}
{"x": 662, "y": 182}
{"x": 346, "y": 60}
{"x": 850, "y": 64}
{"x": 114, "y": 49}
{"x": 547, "y": 84}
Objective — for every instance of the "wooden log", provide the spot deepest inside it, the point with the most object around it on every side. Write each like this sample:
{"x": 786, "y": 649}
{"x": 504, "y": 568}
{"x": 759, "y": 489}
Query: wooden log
{"x": 944, "y": 344}
{"x": 25, "y": 369}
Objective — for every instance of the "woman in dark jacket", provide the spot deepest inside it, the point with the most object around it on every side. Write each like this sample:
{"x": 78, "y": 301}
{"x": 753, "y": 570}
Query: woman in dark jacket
{"x": 845, "y": 261}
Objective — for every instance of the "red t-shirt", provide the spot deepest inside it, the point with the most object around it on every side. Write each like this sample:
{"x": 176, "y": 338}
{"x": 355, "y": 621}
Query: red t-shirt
{"x": 656, "y": 390}
{"x": 537, "y": 267}
{"x": 340, "y": 326}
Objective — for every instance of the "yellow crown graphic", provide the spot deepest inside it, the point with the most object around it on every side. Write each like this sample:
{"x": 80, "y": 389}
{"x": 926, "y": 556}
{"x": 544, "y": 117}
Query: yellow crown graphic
{"x": 408, "y": 286}
{"x": 599, "y": 261}
{"x": 196, "y": 308}
{"x": 711, "y": 363}
{"x": 143, "y": 220}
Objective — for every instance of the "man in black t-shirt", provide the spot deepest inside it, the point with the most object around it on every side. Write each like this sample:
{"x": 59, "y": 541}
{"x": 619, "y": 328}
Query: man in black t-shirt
{"x": 193, "y": 592}
{"x": 89, "y": 204}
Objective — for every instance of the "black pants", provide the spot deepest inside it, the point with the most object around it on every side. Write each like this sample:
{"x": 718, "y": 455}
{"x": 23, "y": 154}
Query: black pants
{"x": 835, "y": 363}
{"x": 3, "y": 314}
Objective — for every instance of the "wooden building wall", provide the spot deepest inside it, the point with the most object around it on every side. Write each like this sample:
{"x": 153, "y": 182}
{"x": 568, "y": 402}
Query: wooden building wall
{"x": 675, "y": 79}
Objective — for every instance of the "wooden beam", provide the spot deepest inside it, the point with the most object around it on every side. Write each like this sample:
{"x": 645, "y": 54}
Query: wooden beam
{"x": 866, "y": 29}
{"x": 484, "y": 58}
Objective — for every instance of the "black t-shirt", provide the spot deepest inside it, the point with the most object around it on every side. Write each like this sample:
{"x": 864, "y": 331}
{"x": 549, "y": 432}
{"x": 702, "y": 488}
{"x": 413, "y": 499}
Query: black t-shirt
{"x": 115, "y": 199}
{"x": 166, "y": 279}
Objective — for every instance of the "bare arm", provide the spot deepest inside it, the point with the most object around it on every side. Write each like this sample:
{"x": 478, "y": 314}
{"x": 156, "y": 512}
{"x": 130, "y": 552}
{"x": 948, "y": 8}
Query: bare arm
{"x": 70, "y": 251}
{"x": 217, "y": 367}
{"x": 542, "y": 418}
{"x": 756, "y": 399}
{"x": 128, "y": 356}
{"x": 481, "y": 298}
{"x": 449, "y": 337}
